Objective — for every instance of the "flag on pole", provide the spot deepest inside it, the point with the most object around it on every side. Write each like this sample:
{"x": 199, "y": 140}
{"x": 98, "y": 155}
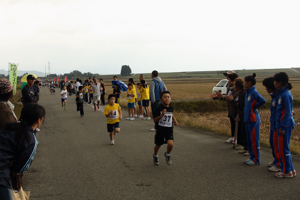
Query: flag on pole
{"x": 54, "y": 80}
{"x": 66, "y": 79}
{"x": 58, "y": 78}
{"x": 13, "y": 76}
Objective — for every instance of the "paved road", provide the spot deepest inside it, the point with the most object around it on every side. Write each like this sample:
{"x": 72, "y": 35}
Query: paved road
{"x": 75, "y": 161}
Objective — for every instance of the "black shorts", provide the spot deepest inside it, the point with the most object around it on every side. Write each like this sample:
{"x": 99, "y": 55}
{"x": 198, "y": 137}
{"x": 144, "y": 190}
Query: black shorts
{"x": 163, "y": 137}
{"x": 91, "y": 95}
{"x": 145, "y": 103}
{"x": 111, "y": 127}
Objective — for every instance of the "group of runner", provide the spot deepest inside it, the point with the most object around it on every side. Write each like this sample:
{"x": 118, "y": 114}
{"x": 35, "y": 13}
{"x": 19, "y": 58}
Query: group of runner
{"x": 243, "y": 103}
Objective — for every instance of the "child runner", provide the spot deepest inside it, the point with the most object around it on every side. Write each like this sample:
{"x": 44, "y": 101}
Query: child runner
{"x": 117, "y": 93}
{"x": 138, "y": 92}
{"x": 64, "y": 96}
{"x": 52, "y": 88}
{"x": 79, "y": 101}
{"x": 133, "y": 85}
{"x": 145, "y": 99}
{"x": 163, "y": 118}
{"x": 274, "y": 166}
{"x": 131, "y": 101}
{"x": 113, "y": 114}
{"x": 284, "y": 124}
{"x": 253, "y": 100}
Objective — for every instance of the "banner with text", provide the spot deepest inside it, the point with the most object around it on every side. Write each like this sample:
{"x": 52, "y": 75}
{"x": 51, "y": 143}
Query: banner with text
{"x": 13, "y": 76}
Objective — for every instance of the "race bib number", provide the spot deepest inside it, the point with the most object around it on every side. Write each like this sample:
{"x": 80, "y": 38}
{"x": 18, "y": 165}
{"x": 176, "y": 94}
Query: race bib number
{"x": 166, "y": 120}
{"x": 130, "y": 97}
{"x": 139, "y": 95}
{"x": 114, "y": 115}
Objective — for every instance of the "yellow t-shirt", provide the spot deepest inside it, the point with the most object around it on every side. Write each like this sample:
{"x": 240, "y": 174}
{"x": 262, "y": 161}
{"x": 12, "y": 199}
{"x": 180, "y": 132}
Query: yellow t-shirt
{"x": 145, "y": 93}
{"x": 130, "y": 98}
{"x": 114, "y": 117}
{"x": 90, "y": 89}
{"x": 135, "y": 94}
{"x": 85, "y": 89}
{"x": 139, "y": 91}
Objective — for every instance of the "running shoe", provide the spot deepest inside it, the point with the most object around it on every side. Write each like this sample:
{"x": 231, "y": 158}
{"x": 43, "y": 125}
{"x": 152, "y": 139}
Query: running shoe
{"x": 243, "y": 151}
{"x": 250, "y": 163}
{"x": 132, "y": 118}
{"x": 168, "y": 159}
{"x": 37, "y": 130}
{"x": 65, "y": 108}
{"x": 270, "y": 164}
{"x": 112, "y": 142}
{"x": 98, "y": 107}
{"x": 145, "y": 118}
{"x": 230, "y": 140}
{"x": 274, "y": 168}
{"x": 135, "y": 115}
{"x": 149, "y": 118}
{"x": 95, "y": 109}
{"x": 152, "y": 129}
{"x": 246, "y": 154}
{"x": 141, "y": 116}
{"x": 247, "y": 160}
{"x": 155, "y": 160}
{"x": 128, "y": 118}
{"x": 283, "y": 175}
{"x": 294, "y": 173}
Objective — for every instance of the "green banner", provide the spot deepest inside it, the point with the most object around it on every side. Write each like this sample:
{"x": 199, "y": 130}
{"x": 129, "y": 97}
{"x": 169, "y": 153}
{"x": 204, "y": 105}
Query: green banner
{"x": 13, "y": 76}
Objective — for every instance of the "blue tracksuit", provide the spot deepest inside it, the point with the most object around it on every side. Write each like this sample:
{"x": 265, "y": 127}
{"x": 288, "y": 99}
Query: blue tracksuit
{"x": 273, "y": 131}
{"x": 285, "y": 122}
{"x": 253, "y": 100}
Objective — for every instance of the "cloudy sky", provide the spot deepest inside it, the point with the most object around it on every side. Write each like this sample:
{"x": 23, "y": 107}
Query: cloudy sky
{"x": 100, "y": 36}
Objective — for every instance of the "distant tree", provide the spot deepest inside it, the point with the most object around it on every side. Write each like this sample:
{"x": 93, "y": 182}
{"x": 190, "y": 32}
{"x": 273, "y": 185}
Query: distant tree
{"x": 2, "y": 75}
{"x": 125, "y": 70}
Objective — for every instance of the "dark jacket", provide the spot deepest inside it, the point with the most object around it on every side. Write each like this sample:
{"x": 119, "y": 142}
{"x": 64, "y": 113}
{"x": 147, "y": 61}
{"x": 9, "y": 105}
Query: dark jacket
{"x": 241, "y": 104}
{"x": 232, "y": 106}
{"x": 21, "y": 155}
{"x": 29, "y": 95}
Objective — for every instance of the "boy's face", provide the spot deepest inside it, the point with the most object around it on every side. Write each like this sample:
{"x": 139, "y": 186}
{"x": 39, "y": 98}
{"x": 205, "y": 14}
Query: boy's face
{"x": 139, "y": 86}
{"x": 112, "y": 101}
{"x": 64, "y": 88}
{"x": 166, "y": 99}
{"x": 130, "y": 87}
{"x": 81, "y": 90}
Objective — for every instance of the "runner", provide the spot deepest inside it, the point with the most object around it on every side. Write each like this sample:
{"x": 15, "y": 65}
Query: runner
{"x": 164, "y": 119}
{"x": 284, "y": 124}
{"x": 131, "y": 101}
{"x": 253, "y": 100}
{"x": 79, "y": 101}
{"x": 64, "y": 96}
{"x": 139, "y": 86}
{"x": 96, "y": 94}
{"x": 135, "y": 100}
{"x": 113, "y": 114}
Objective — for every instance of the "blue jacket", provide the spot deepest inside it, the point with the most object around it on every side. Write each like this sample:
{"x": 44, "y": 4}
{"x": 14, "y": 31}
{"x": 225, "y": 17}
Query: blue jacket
{"x": 253, "y": 100}
{"x": 273, "y": 111}
{"x": 284, "y": 116}
{"x": 21, "y": 155}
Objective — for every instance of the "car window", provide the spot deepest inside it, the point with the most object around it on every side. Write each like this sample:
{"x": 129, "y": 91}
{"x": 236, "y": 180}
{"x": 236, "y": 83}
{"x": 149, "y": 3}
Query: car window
{"x": 222, "y": 83}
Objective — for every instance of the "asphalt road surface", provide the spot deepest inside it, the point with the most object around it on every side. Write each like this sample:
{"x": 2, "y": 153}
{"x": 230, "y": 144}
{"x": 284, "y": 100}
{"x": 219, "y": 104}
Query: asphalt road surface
{"x": 74, "y": 160}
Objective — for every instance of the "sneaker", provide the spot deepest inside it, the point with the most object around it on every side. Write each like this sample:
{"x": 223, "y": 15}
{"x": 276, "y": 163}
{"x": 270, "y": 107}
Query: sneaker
{"x": 230, "y": 140}
{"x": 247, "y": 160}
{"x": 141, "y": 116}
{"x": 95, "y": 109}
{"x": 283, "y": 175}
{"x": 155, "y": 160}
{"x": 168, "y": 159}
{"x": 128, "y": 118}
{"x": 274, "y": 168}
{"x": 149, "y": 118}
{"x": 294, "y": 172}
{"x": 270, "y": 164}
{"x": 145, "y": 118}
{"x": 135, "y": 115}
{"x": 246, "y": 154}
{"x": 152, "y": 129}
{"x": 65, "y": 108}
{"x": 98, "y": 107}
{"x": 239, "y": 147}
{"x": 250, "y": 163}
{"x": 77, "y": 111}
{"x": 112, "y": 142}
{"x": 132, "y": 118}
{"x": 37, "y": 130}
{"x": 243, "y": 151}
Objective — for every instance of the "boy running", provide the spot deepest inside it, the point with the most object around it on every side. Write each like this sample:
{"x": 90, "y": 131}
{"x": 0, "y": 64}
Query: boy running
{"x": 131, "y": 101}
{"x": 163, "y": 118}
{"x": 113, "y": 114}
{"x": 64, "y": 96}
{"x": 79, "y": 101}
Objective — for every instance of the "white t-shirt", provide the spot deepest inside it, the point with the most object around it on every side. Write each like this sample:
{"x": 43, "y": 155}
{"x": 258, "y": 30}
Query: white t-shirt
{"x": 65, "y": 94}
{"x": 96, "y": 89}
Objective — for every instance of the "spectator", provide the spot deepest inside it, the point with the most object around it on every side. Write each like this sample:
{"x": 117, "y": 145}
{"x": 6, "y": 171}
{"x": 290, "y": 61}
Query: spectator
{"x": 103, "y": 92}
{"x": 157, "y": 86}
{"x": 29, "y": 93}
{"x": 141, "y": 77}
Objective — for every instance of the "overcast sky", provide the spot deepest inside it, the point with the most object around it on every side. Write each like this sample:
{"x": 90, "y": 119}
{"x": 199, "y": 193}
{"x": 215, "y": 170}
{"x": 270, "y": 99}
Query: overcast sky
{"x": 101, "y": 36}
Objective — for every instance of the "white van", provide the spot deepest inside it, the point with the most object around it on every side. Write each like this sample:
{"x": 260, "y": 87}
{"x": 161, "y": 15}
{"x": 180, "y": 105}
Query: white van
{"x": 221, "y": 87}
